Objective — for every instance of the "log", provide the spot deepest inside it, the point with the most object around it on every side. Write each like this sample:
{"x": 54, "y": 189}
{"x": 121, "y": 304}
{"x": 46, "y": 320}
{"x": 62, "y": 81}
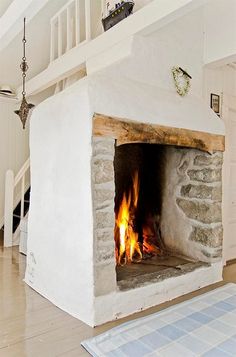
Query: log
{"x": 129, "y": 131}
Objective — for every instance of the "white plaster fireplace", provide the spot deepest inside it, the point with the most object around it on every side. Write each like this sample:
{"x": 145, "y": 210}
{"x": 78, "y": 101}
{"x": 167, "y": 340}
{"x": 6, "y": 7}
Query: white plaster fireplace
{"x": 71, "y": 247}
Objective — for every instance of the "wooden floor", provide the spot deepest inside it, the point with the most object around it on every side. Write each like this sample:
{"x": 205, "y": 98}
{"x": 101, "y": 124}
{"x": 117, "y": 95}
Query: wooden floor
{"x": 30, "y": 326}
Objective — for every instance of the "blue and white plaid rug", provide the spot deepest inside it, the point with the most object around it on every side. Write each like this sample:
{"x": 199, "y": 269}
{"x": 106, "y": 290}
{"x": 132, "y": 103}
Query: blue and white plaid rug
{"x": 203, "y": 326}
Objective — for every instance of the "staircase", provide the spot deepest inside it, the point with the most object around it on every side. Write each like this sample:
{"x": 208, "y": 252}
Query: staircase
{"x": 17, "y": 212}
{"x": 17, "y": 200}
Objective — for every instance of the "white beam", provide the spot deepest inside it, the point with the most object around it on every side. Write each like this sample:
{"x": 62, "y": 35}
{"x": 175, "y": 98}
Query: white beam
{"x": 219, "y": 62}
{"x": 11, "y": 23}
{"x": 150, "y": 18}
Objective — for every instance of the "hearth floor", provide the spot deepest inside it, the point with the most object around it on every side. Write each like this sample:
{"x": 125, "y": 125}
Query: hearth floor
{"x": 153, "y": 270}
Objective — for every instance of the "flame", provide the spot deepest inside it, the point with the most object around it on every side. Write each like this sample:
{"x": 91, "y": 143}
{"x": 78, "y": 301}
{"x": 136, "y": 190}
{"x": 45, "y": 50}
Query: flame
{"x": 126, "y": 238}
{"x": 128, "y": 247}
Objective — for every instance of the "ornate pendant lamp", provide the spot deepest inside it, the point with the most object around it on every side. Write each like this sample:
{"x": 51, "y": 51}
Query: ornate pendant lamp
{"x": 25, "y": 107}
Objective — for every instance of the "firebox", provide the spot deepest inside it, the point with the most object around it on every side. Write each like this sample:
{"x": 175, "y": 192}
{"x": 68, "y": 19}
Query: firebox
{"x": 142, "y": 182}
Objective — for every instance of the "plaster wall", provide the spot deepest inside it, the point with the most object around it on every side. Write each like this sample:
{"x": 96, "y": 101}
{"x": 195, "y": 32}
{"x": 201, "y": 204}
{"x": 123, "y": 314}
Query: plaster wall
{"x": 60, "y": 226}
{"x": 220, "y": 28}
{"x": 220, "y": 80}
{"x": 178, "y": 44}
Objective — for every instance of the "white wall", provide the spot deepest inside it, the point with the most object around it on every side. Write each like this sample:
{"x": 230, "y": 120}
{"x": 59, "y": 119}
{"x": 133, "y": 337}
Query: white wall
{"x": 14, "y": 148}
{"x": 220, "y": 30}
{"x": 60, "y": 249}
{"x": 222, "y": 81}
{"x": 180, "y": 43}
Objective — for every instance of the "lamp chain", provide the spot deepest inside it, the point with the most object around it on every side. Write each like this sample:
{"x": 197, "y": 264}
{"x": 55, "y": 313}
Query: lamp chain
{"x": 25, "y": 107}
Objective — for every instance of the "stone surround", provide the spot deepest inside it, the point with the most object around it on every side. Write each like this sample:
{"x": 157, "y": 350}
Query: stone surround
{"x": 191, "y": 222}
{"x": 103, "y": 187}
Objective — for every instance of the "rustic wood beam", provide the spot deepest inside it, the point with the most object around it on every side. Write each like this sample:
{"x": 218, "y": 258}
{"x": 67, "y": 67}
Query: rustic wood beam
{"x": 127, "y": 132}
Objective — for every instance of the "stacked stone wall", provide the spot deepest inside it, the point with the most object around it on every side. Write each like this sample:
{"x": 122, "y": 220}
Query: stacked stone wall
{"x": 103, "y": 188}
{"x": 200, "y": 199}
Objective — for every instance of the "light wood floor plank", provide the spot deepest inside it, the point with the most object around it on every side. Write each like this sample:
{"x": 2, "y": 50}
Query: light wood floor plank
{"x": 30, "y": 326}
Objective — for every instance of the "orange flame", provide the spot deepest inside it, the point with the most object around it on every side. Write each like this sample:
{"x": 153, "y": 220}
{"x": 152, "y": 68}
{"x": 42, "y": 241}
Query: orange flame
{"x": 127, "y": 239}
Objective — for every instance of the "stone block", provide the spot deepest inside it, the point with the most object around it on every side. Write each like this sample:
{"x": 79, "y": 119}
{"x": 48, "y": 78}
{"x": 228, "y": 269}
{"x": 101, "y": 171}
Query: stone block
{"x": 101, "y": 195}
{"x": 104, "y": 236}
{"x": 183, "y": 167}
{"x": 105, "y": 252}
{"x": 103, "y": 146}
{"x": 207, "y": 159}
{"x": 214, "y": 255}
{"x": 103, "y": 171}
{"x": 202, "y": 192}
{"x": 201, "y": 211}
{"x": 105, "y": 279}
{"x": 105, "y": 219}
{"x": 205, "y": 175}
{"x": 210, "y": 237}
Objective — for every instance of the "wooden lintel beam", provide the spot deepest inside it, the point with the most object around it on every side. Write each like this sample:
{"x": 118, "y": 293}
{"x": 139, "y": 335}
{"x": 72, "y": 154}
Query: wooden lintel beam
{"x": 127, "y": 132}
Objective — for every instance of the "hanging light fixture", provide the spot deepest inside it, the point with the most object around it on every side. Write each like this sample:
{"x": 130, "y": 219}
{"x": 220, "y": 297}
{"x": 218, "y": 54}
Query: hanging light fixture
{"x": 25, "y": 107}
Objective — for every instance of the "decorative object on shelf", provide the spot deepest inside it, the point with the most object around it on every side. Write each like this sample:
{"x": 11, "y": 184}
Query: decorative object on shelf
{"x": 181, "y": 80}
{"x": 215, "y": 103}
{"x": 6, "y": 91}
{"x": 122, "y": 10}
{"x": 25, "y": 107}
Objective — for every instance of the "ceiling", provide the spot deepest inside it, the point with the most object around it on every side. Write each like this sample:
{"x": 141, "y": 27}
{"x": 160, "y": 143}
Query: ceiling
{"x": 37, "y": 46}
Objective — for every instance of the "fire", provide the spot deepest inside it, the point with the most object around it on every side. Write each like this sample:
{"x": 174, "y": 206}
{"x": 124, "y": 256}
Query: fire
{"x": 128, "y": 248}
{"x": 132, "y": 243}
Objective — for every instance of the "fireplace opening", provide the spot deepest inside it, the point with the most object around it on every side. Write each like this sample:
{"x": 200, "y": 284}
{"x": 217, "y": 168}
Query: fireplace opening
{"x": 138, "y": 180}
{"x": 140, "y": 249}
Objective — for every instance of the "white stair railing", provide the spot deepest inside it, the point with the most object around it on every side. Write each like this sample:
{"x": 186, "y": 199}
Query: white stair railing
{"x": 12, "y": 198}
{"x": 70, "y": 27}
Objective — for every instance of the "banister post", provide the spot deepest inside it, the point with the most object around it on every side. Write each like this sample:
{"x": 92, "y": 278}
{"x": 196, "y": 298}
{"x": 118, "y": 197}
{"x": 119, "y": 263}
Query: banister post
{"x": 88, "y": 19}
{"x": 8, "y": 208}
{"x": 22, "y": 201}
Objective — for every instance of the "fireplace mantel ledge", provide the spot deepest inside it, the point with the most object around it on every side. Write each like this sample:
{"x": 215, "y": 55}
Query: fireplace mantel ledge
{"x": 129, "y": 131}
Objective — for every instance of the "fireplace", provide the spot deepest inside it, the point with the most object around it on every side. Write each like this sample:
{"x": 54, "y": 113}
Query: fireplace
{"x": 157, "y": 208}
{"x": 162, "y": 157}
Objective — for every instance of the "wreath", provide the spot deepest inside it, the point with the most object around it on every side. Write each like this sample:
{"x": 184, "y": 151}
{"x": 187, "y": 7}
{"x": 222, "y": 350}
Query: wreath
{"x": 181, "y": 80}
